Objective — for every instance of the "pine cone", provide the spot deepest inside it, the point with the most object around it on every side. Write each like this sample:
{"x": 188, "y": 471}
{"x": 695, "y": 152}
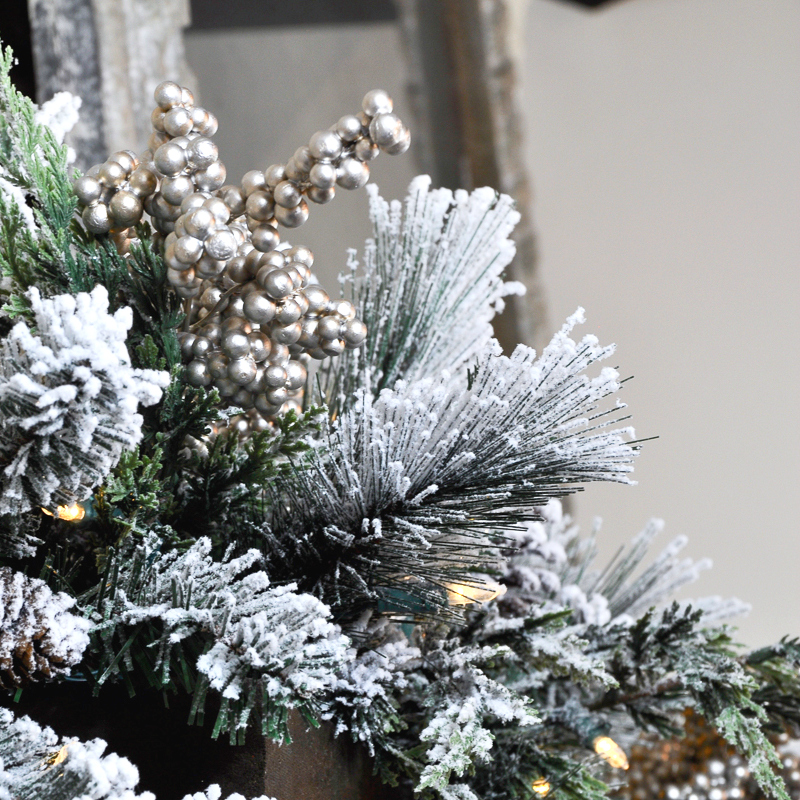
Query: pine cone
{"x": 39, "y": 638}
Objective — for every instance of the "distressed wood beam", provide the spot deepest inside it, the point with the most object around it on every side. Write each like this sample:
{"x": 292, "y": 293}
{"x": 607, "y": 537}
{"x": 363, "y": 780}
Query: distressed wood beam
{"x": 464, "y": 92}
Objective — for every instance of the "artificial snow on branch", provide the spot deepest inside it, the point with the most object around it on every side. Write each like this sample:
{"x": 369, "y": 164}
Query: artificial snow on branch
{"x": 431, "y": 283}
{"x": 411, "y": 481}
{"x": 552, "y": 567}
{"x": 68, "y": 400}
{"x": 263, "y": 649}
{"x": 39, "y": 638}
{"x": 462, "y": 697}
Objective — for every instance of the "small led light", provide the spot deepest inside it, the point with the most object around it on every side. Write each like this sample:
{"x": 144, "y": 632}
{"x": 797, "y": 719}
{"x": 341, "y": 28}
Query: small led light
{"x": 608, "y": 749}
{"x": 56, "y": 758}
{"x": 462, "y": 594}
{"x": 541, "y": 787}
{"x": 71, "y": 513}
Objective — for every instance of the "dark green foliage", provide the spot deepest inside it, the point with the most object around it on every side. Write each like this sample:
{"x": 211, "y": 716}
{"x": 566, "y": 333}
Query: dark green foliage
{"x": 223, "y": 495}
{"x": 521, "y": 758}
{"x": 34, "y": 162}
{"x": 777, "y": 670}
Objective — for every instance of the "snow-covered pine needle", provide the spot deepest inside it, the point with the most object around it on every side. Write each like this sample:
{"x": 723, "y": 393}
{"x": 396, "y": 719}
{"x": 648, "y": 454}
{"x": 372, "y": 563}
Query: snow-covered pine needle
{"x": 68, "y": 400}
{"x": 402, "y": 498}
{"x": 264, "y": 649}
{"x": 431, "y": 284}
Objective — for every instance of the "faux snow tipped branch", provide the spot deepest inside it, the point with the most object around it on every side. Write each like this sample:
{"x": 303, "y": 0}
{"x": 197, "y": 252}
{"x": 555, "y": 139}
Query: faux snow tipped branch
{"x": 552, "y": 567}
{"x": 462, "y": 700}
{"x": 431, "y": 284}
{"x": 264, "y": 650}
{"x": 36, "y": 199}
{"x": 68, "y": 400}
{"x": 411, "y": 482}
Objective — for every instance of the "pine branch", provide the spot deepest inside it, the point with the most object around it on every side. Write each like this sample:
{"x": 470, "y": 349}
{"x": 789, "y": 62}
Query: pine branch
{"x": 400, "y": 500}
{"x": 520, "y": 760}
{"x": 431, "y": 284}
{"x": 36, "y": 200}
{"x": 185, "y": 620}
{"x": 68, "y": 400}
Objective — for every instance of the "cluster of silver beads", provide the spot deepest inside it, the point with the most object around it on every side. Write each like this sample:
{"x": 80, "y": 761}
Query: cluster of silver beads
{"x": 183, "y": 154}
{"x": 181, "y": 160}
{"x": 253, "y": 340}
{"x": 255, "y": 315}
{"x": 338, "y": 156}
{"x": 113, "y": 193}
{"x": 201, "y": 243}
{"x": 701, "y": 766}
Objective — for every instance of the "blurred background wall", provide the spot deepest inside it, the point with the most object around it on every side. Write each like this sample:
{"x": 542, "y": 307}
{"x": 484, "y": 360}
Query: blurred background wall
{"x": 662, "y": 141}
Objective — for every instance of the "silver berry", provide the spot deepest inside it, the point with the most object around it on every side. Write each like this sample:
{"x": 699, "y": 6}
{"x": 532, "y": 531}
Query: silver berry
{"x": 210, "y": 178}
{"x": 259, "y": 308}
{"x": 202, "y": 153}
{"x": 167, "y": 95}
{"x": 377, "y": 102}
{"x": 126, "y": 209}
{"x": 252, "y": 181}
{"x": 325, "y": 145}
{"x": 287, "y": 194}
{"x": 96, "y": 219}
{"x": 386, "y": 130}
{"x": 242, "y": 370}
{"x": 349, "y": 128}
{"x": 292, "y": 217}
{"x": 177, "y": 122}
{"x": 87, "y": 189}
{"x": 170, "y": 159}
{"x": 352, "y": 173}
{"x": 220, "y": 245}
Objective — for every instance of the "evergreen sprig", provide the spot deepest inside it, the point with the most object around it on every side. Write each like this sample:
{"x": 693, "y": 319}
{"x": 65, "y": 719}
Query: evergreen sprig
{"x": 183, "y": 620}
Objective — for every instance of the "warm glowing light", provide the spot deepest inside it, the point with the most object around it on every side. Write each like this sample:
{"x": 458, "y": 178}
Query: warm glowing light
{"x": 68, "y": 513}
{"x": 608, "y": 749}
{"x": 56, "y": 758}
{"x": 462, "y": 594}
{"x": 541, "y": 787}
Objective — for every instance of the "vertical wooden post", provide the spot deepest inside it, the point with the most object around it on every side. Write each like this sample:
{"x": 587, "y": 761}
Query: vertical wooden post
{"x": 175, "y": 759}
{"x": 464, "y": 92}
{"x": 320, "y": 766}
{"x": 111, "y": 54}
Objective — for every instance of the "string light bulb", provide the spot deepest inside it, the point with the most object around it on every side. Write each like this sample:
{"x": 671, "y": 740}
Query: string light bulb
{"x": 541, "y": 787}
{"x": 463, "y": 594}
{"x": 59, "y": 757}
{"x": 72, "y": 513}
{"x": 608, "y": 749}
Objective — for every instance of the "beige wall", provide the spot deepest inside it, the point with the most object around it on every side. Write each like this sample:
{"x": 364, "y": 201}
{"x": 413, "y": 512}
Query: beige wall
{"x": 664, "y": 147}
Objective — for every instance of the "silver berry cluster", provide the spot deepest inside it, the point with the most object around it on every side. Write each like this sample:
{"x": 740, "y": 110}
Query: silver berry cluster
{"x": 113, "y": 193}
{"x": 335, "y": 157}
{"x": 181, "y": 159}
{"x": 255, "y": 315}
{"x": 204, "y": 238}
{"x": 253, "y": 341}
